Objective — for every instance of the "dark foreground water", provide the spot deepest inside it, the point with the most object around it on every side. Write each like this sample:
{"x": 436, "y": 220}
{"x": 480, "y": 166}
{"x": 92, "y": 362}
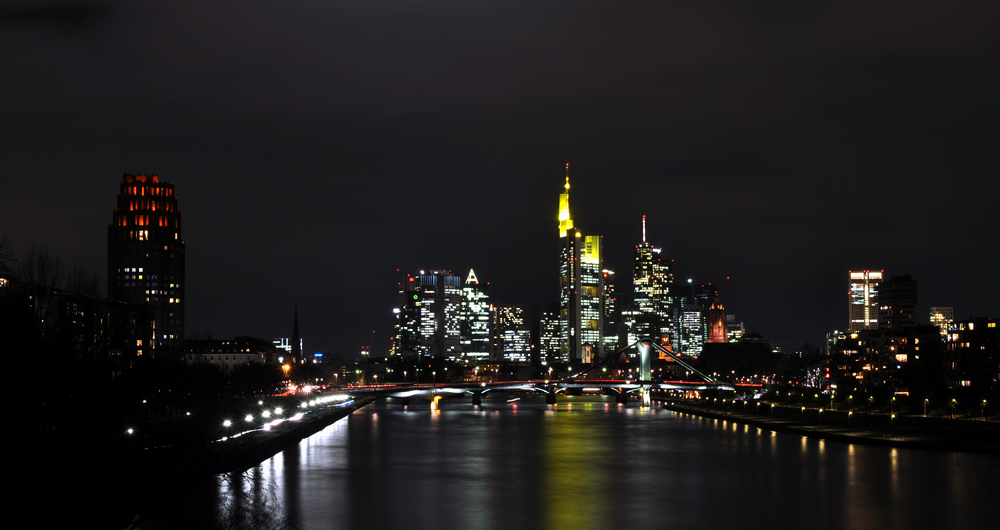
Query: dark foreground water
{"x": 587, "y": 464}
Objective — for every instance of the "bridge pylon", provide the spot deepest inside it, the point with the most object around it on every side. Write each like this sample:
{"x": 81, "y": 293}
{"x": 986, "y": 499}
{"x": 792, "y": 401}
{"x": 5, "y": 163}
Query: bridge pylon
{"x": 646, "y": 371}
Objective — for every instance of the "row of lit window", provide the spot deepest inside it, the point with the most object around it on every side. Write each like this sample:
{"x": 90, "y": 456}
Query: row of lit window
{"x": 151, "y": 205}
{"x": 157, "y": 191}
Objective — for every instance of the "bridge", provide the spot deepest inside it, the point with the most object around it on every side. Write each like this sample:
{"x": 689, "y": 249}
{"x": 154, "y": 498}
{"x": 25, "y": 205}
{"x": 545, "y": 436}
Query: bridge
{"x": 641, "y": 349}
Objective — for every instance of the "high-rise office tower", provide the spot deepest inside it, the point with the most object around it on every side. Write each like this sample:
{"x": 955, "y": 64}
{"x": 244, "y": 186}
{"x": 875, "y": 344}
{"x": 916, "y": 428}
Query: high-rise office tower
{"x": 652, "y": 279}
{"x": 943, "y": 318}
{"x": 612, "y": 315}
{"x": 429, "y": 316}
{"x": 511, "y": 334}
{"x": 475, "y": 335}
{"x": 146, "y": 255}
{"x": 692, "y": 317}
{"x": 581, "y": 295}
{"x": 897, "y": 302}
{"x": 545, "y": 335}
{"x": 863, "y": 300}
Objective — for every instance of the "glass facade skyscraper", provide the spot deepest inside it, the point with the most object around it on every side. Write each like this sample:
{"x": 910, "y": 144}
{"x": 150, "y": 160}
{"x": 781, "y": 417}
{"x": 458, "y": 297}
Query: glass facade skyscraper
{"x": 475, "y": 336}
{"x": 652, "y": 312}
{"x": 581, "y": 294}
{"x": 430, "y": 315}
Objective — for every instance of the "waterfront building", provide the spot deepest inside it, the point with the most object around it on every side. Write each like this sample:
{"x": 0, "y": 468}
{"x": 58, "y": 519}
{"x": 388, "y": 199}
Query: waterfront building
{"x": 897, "y": 302}
{"x": 897, "y": 359}
{"x": 972, "y": 356}
{"x": 863, "y": 308}
{"x": 226, "y": 354}
{"x": 146, "y": 256}
{"x": 581, "y": 294}
{"x": 475, "y": 320}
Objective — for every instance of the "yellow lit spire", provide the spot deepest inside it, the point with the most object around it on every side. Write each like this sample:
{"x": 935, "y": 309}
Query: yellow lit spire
{"x": 565, "y": 222}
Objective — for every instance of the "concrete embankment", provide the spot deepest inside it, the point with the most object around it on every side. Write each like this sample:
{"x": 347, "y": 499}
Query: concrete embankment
{"x": 240, "y": 456}
{"x": 873, "y": 429}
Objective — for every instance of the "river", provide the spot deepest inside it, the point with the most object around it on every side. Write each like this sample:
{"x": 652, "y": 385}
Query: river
{"x": 589, "y": 463}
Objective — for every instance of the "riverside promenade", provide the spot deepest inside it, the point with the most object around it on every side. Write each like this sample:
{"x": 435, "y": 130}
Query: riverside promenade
{"x": 851, "y": 426}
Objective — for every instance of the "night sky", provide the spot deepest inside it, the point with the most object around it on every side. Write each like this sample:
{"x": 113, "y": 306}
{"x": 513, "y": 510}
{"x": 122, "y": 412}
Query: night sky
{"x": 319, "y": 146}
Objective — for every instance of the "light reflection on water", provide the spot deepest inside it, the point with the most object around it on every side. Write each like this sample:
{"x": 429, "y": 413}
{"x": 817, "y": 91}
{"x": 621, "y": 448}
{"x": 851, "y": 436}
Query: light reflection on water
{"x": 577, "y": 465}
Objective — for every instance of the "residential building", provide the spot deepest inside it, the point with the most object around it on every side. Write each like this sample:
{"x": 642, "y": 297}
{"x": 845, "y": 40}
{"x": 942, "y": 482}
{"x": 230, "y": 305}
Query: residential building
{"x": 146, "y": 255}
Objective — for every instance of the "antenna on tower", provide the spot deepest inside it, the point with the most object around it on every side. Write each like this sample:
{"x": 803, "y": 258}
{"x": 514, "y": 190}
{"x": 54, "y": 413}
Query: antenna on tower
{"x": 643, "y": 228}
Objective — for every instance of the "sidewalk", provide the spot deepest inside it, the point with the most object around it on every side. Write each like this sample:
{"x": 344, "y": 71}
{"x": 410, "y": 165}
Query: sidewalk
{"x": 916, "y": 432}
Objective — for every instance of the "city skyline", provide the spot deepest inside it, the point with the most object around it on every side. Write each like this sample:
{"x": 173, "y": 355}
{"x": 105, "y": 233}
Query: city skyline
{"x": 779, "y": 149}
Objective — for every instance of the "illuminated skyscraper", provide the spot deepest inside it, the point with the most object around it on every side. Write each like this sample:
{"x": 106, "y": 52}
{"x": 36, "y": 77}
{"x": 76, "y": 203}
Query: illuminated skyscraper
{"x": 146, "y": 255}
{"x": 653, "y": 310}
{"x": 475, "y": 336}
{"x": 581, "y": 295}
{"x": 545, "y": 332}
{"x": 511, "y": 335}
{"x": 429, "y": 317}
{"x": 863, "y": 300}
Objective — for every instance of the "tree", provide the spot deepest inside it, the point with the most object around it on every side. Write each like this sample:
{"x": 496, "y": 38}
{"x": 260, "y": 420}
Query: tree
{"x": 7, "y": 259}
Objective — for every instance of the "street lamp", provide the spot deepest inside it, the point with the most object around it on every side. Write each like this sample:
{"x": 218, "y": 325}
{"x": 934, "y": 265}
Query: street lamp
{"x": 925, "y": 407}
{"x": 435, "y": 378}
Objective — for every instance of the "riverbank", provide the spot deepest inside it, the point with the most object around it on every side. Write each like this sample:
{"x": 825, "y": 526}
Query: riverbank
{"x": 913, "y": 432}
{"x": 239, "y": 456}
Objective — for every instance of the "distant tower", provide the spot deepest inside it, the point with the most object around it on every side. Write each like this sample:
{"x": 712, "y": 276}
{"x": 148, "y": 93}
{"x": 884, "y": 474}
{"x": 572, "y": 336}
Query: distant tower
{"x": 581, "y": 288}
{"x": 718, "y": 330}
{"x": 863, "y": 299}
{"x": 296, "y": 338}
{"x": 146, "y": 255}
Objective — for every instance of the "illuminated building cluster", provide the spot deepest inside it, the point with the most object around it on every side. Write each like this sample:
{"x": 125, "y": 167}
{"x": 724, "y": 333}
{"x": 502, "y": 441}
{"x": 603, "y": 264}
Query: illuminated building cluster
{"x": 146, "y": 256}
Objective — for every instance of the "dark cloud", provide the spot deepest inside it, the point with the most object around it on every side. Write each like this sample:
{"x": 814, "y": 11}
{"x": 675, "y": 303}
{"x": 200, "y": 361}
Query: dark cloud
{"x": 67, "y": 17}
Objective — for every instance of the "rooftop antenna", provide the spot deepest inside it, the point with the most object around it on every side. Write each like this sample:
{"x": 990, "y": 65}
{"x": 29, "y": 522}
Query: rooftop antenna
{"x": 643, "y": 228}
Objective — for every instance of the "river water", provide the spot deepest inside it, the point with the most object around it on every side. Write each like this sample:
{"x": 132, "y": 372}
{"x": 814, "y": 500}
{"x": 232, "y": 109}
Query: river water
{"x": 588, "y": 463}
